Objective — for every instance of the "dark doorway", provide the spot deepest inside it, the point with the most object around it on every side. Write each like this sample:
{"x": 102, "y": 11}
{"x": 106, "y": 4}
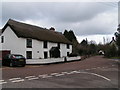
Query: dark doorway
{"x": 29, "y": 54}
{"x": 4, "y": 52}
{"x": 54, "y": 52}
{"x": 45, "y": 55}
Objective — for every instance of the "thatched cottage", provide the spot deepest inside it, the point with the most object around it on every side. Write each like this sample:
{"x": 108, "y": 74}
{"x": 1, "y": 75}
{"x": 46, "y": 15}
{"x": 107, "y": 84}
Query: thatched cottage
{"x": 33, "y": 42}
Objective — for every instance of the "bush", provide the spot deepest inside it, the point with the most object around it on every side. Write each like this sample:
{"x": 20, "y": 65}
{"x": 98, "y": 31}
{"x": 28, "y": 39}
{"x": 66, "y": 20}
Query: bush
{"x": 111, "y": 51}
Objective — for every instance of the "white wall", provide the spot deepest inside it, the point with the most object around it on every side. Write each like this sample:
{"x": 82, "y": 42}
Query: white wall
{"x": 37, "y": 48}
{"x": 12, "y": 42}
{"x": 64, "y": 50}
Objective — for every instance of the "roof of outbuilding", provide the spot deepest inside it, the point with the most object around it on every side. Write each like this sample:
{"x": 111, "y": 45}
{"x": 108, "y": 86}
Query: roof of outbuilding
{"x": 30, "y": 31}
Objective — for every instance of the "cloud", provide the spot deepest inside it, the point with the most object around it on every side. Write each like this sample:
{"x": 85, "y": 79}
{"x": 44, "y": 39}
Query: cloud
{"x": 85, "y": 18}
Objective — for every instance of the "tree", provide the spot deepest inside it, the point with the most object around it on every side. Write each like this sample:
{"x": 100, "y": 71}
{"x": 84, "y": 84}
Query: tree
{"x": 84, "y": 42}
{"x": 110, "y": 51}
{"x": 71, "y": 37}
{"x": 117, "y": 34}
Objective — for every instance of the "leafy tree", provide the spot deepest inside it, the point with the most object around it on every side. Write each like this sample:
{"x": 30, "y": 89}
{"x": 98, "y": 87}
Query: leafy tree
{"x": 117, "y": 34}
{"x": 111, "y": 50}
{"x": 84, "y": 42}
{"x": 71, "y": 36}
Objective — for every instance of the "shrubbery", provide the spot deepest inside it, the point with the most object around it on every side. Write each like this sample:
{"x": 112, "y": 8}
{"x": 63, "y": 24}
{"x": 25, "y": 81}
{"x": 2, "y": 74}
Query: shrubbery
{"x": 111, "y": 51}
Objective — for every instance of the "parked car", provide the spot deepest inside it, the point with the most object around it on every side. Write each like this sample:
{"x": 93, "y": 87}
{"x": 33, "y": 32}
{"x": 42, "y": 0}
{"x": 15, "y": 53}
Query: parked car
{"x": 14, "y": 60}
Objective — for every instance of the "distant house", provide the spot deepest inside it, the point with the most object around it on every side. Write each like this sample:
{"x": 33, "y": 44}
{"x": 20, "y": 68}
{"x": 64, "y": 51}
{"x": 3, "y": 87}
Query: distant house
{"x": 34, "y": 42}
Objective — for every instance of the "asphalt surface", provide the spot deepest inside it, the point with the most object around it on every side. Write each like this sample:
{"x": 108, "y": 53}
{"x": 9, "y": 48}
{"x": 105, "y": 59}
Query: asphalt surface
{"x": 94, "y": 72}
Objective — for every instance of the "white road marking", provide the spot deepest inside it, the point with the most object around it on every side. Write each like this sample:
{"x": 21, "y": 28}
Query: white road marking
{"x": 33, "y": 78}
{"x": 54, "y": 73}
{"x": 14, "y": 79}
{"x": 43, "y": 75}
{"x": 2, "y": 82}
{"x": 46, "y": 76}
{"x": 30, "y": 77}
{"x": 60, "y": 74}
{"x": 71, "y": 72}
{"x": 97, "y": 75}
{"x": 21, "y": 80}
{"x": 87, "y": 69}
{"x": 64, "y": 72}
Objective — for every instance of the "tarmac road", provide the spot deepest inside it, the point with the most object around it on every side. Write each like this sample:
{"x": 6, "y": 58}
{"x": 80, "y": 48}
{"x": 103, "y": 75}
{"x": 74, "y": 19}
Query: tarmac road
{"x": 94, "y": 72}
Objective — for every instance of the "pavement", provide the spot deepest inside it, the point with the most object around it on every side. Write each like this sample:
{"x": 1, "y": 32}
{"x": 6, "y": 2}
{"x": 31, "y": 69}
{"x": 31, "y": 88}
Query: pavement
{"x": 93, "y": 72}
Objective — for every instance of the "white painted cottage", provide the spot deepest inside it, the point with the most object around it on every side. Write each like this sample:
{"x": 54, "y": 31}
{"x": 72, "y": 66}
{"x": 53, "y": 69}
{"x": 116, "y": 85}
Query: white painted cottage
{"x": 34, "y": 42}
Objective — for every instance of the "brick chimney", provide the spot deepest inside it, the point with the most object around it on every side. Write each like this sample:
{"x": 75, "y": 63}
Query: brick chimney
{"x": 113, "y": 39}
{"x": 52, "y": 29}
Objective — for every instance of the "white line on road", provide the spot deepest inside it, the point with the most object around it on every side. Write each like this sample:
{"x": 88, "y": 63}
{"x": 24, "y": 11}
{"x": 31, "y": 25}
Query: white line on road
{"x": 59, "y": 74}
{"x": 98, "y": 67}
{"x": 97, "y": 75}
{"x": 64, "y": 72}
{"x": 21, "y": 80}
{"x": 2, "y": 83}
{"x": 54, "y": 73}
{"x": 46, "y": 76}
{"x": 2, "y": 80}
{"x": 33, "y": 78}
{"x": 29, "y": 77}
{"x": 43, "y": 75}
{"x": 87, "y": 69}
{"x": 71, "y": 72}
{"x": 14, "y": 79}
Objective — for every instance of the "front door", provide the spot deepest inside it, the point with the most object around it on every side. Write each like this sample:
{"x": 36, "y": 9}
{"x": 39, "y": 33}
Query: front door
{"x": 45, "y": 55}
{"x": 29, "y": 54}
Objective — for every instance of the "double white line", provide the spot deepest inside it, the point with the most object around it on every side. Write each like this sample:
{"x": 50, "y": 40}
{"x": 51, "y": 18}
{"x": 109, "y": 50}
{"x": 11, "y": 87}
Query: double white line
{"x": 16, "y": 80}
{"x": 2, "y": 82}
{"x": 31, "y": 77}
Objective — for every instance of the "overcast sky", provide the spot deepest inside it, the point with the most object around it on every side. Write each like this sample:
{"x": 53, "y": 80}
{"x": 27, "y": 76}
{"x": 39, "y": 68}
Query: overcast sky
{"x": 91, "y": 20}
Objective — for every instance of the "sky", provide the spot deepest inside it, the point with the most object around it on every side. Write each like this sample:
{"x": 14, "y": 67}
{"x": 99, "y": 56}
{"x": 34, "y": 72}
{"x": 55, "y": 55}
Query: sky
{"x": 91, "y": 20}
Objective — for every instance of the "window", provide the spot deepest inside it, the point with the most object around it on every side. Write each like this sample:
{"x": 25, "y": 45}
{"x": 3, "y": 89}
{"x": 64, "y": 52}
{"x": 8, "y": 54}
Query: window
{"x": 45, "y": 55}
{"x": 2, "y": 39}
{"x": 29, "y": 43}
{"x": 29, "y": 54}
{"x": 68, "y": 46}
{"x": 45, "y": 44}
{"x": 58, "y": 45}
{"x": 67, "y": 53}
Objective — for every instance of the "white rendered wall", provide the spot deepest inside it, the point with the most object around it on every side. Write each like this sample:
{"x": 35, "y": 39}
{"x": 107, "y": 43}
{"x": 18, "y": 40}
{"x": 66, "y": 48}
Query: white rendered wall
{"x": 37, "y": 49}
{"x": 13, "y": 43}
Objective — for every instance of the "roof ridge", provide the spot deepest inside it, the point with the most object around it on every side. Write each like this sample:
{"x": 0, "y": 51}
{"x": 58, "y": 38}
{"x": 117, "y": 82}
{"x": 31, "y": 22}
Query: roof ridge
{"x": 20, "y": 22}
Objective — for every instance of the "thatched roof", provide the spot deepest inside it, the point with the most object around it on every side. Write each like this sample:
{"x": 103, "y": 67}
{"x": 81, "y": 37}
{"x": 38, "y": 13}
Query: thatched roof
{"x": 30, "y": 31}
